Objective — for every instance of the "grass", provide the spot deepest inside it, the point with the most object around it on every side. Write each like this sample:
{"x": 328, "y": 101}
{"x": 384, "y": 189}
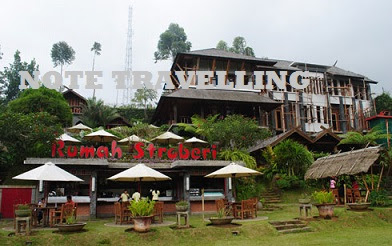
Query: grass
{"x": 367, "y": 228}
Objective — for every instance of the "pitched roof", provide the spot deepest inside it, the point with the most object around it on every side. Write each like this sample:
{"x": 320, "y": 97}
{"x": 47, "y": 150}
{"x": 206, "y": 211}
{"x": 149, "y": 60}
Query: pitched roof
{"x": 325, "y": 132}
{"x": 272, "y": 141}
{"x": 275, "y": 63}
{"x": 221, "y": 95}
{"x": 349, "y": 163}
{"x": 213, "y": 52}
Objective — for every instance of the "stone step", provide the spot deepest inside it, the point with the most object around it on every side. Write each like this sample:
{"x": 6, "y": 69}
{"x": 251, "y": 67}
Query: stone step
{"x": 272, "y": 201}
{"x": 285, "y": 222}
{"x": 270, "y": 196}
{"x": 289, "y": 226}
{"x": 296, "y": 230}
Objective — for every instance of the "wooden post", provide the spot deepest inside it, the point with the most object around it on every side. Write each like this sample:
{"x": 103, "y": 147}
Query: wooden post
{"x": 371, "y": 172}
{"x": 387, "y": 128}
{"x": 202, "y": 202}
{"x": 366, "y": 186}
{"x": 345, "y": 195}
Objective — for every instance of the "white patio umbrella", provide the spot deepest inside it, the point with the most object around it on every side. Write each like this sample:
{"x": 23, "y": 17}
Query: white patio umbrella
{"x": 100, "y": 136}
{"x": 233, "y": 171}
{"x": 78, "y": 128}
{"x": 168, "y": 138}
{"x": 139, "y": 173}
{"x": 48, "y": 172}
{"x": 67, "y": 138}
{"x": 133, "y": 139}
{"x": 194, "y": 142}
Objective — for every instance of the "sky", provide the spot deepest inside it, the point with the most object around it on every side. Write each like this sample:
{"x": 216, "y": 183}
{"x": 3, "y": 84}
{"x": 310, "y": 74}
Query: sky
{"x": 355, "y": 33}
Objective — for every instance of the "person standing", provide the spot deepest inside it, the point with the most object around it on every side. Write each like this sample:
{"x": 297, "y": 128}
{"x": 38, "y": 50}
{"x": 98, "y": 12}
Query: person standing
{"x": 332, "y": 183}
{"x": 124, "y": 196}
{"x": 155, "y": 195}
{"x": 136, "y": 196}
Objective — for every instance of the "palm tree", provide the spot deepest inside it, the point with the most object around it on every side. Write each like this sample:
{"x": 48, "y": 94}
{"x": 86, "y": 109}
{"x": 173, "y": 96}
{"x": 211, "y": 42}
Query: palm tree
{"x": 96, "y": 113}
{"x": 97, "y": 51}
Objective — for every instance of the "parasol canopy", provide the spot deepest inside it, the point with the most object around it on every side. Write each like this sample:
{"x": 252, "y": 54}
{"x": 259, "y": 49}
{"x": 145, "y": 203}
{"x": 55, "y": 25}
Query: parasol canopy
{"x": 67, "y": 138}
{"x": 233, "y": 170}
{"x": 100, "y": 136}
{"x": 195, "y": 141}
{"x": 48, "y": 172}
{"x": 140, "y": 172}
{"x": 168, "y": 138}
{"x": 78, "y": 128}
{"x": 133, "y": 139}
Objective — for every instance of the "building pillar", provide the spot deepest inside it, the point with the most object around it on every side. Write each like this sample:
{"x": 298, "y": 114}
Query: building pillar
{"x": 355, "y": 114}
{"x": 342, "y": 116}
{"x": 302, "y": 108}
{"x": 93, "y": 194}
{"x": 322, "y": 115}
{"x": 314, "y": 108}
{"x": 286, "y": 112}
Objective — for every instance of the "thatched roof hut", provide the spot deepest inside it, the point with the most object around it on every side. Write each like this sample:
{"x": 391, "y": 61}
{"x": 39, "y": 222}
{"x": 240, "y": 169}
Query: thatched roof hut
{"x": 349, "y": 163}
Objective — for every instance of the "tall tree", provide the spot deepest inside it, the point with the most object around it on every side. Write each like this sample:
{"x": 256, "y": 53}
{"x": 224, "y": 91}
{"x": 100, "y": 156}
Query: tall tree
{"x": 10, "y": 78}
{"x": 62, "y": 54}
{"x": 96, "y": 113}
{"x": 238, "y": 46}
{"x": 43, "y": 100}
{"x": 222, "y": 45}
{"x": 97, "y": 52}
{"x": 383, "y": 102}
{"x": 143, "y": 98}
{"x": 171, "y": 42}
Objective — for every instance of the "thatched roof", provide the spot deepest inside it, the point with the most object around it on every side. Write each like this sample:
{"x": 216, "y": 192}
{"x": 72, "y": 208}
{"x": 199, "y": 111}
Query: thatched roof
{"x": 349, "y": 163}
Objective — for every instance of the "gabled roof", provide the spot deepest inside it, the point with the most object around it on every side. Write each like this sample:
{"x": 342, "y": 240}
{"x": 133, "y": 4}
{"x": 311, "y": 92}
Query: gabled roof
{"x": 70, "y": 91}
{"x": 272, "y": 141}
{"x": 325, "y": 132}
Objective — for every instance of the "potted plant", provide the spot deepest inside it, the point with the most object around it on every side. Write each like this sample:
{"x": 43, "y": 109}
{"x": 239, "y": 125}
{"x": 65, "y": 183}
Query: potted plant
{"x": 22, "y": 210}
{"x": 71, "y": 225}
{"x": 305, "y": 199}
{"x": 182, "y": 206}
{"x": 324, "y": 203}
{"x": 142, "y": 213}
{"x": 359, "y": 206}
{"x": 222, "y": 217}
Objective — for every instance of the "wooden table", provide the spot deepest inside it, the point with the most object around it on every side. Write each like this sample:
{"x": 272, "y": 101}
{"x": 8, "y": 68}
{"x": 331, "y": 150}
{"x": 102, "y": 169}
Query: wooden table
{"x": 46, "y": 215}
{"x": 234, "y": 208}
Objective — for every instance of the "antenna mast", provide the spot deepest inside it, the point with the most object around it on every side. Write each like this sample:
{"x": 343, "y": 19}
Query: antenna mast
{"x": 128, "y": 61}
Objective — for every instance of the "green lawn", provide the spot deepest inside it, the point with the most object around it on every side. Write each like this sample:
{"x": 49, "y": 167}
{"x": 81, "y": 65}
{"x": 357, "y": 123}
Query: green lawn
{"x": 369, "y": 228}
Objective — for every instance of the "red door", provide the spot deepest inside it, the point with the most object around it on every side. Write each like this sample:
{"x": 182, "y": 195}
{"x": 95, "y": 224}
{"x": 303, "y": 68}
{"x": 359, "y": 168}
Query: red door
{"x": 11, "y": 196}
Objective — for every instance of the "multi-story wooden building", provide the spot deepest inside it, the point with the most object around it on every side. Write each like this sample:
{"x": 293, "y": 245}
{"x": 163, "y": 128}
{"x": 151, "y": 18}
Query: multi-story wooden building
{"x": 335, "y": 98}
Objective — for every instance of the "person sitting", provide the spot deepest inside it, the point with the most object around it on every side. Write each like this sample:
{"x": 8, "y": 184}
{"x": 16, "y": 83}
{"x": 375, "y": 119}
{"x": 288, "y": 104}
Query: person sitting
{"x": 69, "y": 201}
{"x": 136, "y": 196}
{"x": 155, "y": 195}
{"x": 332, "y": 183}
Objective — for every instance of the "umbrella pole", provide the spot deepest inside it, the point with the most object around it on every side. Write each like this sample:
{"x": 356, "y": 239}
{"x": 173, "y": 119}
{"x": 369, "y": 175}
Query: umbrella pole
{"x": 140, "y": 188}
{"x": 233, "y": 186}
{"x": 202, "y": 202}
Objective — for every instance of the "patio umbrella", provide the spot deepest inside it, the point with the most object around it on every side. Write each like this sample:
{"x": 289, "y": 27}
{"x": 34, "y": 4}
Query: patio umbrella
{"x": 195, "y": 142}
{"x": 233, "y": 171}
{"x": 168, "y": 138}
{"x": 67, "y": 138}
{"x": 78, "y": 128}
{"x": 48, "y": 172}
{"x": 100, "y": 136}
{"x": 133, "y": 139}
{"x": 139, "y": 173}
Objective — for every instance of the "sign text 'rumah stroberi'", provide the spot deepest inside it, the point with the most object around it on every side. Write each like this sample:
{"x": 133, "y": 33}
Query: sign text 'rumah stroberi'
{"x": 72, "y": 151}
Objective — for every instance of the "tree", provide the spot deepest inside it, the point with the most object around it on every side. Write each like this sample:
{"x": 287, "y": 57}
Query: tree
{"x": 362, "y": 140}
{"x": 383, "y": 102}
{"x": 238, "y": 46}
{"x": 43, "y": 100}
{"x": 27, "y": 135}
{"x": 143, "y": 97}
{"x": 97, "y": 52}
{"x": 292, "y": 157}
{"x": 10, "y": 78}
{"x": 62, "y": 54}
{"x": 171, "y": 42}
{"x": 222, "y": 45}
{"x": 96, "y": 113}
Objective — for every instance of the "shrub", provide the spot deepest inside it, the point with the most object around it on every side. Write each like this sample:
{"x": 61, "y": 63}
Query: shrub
{"x": 289, "y": 182}
{"x": 182, "y": 203}
{"x": 379, "y": 198}
{"x": 22, "y": 206}
{"x": 143, "y": 207}
{"x": 322, "y": 197}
